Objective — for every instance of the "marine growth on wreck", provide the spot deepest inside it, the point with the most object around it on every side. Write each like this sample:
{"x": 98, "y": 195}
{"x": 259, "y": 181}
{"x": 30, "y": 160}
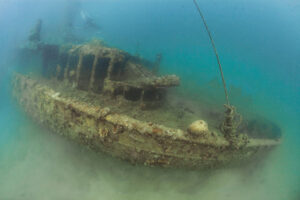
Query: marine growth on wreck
{"x": 115, "y": 102}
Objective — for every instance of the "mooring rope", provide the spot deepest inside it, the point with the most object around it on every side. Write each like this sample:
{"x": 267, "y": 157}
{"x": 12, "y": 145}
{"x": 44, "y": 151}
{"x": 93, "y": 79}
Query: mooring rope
{"x": 215, "y": 50}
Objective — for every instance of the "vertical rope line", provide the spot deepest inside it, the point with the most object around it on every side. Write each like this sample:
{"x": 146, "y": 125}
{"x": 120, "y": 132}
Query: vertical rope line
{"x": 215, "y": 50}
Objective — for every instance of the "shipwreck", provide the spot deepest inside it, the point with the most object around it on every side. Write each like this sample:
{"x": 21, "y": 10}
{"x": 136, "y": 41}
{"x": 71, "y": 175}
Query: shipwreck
{"x": 111, "y": 101}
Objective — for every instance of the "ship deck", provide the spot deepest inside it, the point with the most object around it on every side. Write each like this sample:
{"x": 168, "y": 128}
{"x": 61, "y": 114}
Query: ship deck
{"x": 175, "y": 112}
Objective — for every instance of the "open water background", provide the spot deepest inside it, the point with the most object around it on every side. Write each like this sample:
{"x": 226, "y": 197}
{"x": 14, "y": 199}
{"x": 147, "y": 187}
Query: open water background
{"x": 259, "y": 46}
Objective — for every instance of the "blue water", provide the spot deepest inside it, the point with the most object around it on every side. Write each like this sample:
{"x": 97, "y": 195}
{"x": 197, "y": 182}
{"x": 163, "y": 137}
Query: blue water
{"x": 259, "y": 46}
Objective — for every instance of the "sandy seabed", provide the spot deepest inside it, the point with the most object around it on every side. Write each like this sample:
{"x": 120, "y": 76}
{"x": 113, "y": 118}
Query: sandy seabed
{"x": 37, "y": 164}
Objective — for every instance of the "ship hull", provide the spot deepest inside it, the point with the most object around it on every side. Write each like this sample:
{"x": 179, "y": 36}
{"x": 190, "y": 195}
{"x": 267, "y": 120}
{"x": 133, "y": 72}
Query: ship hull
{"x": 125, "y": 137}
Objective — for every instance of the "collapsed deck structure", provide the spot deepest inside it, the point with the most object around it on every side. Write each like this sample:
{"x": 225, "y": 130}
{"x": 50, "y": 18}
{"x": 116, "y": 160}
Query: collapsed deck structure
{"x": 100, "y": 69}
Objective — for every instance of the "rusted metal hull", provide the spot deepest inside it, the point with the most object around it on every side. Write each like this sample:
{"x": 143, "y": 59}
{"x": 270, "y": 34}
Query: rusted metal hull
{"x": 125, "y": 137}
